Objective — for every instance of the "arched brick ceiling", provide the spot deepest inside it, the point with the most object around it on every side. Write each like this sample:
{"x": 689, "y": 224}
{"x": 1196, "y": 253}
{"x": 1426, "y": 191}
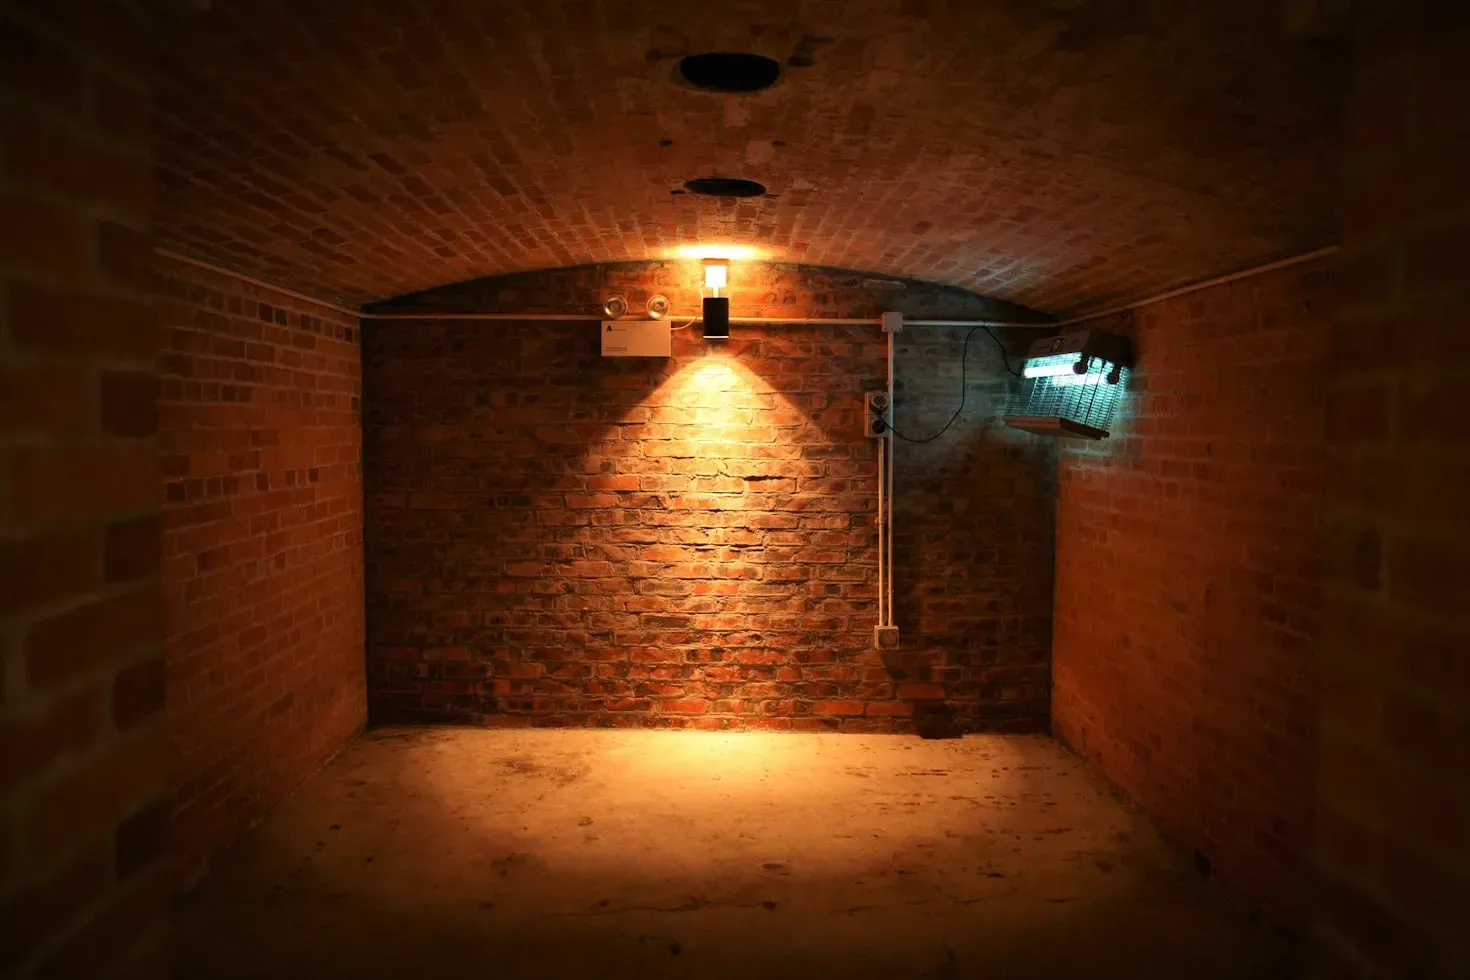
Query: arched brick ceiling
{"x": 1056, "y": 154}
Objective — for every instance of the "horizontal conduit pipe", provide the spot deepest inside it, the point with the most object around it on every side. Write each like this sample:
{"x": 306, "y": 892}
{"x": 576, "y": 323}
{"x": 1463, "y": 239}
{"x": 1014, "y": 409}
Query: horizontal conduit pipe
{"x": 847, "y": 321}
{"x": 1320, "y": 253}
{"x": 230, "y": 274}
{"x": 1082, "y": 318}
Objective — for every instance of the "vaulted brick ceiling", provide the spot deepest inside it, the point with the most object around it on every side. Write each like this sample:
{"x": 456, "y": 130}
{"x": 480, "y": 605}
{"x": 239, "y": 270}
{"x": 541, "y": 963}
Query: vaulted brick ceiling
{"x": 1058, "y": 154}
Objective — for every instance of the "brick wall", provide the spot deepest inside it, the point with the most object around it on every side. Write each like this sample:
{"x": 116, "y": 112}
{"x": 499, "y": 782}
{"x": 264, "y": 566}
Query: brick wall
{"x": 1187, "y": 593}
{"x": 262, "y": 546}
{"x": 558, "y": 538}
{"x": 973, "y": 537}
{"x": 83, "y": 750}
{"x": 1394, "y": 784}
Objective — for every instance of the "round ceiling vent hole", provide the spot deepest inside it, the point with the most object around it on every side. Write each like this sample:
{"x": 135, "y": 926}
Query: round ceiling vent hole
{"x": 729, "y": 71}
{"x": 724, "y": 187}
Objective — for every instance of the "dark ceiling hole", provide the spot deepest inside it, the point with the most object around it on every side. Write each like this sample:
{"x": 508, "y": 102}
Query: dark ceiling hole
{"x": 724, "y": 187}
{"x": 729, "y": 71}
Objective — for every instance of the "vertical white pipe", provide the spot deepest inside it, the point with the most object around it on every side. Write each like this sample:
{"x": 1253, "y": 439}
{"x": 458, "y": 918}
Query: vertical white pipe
{"x": 892, "y": 465}
{"x": 881, "y": 453}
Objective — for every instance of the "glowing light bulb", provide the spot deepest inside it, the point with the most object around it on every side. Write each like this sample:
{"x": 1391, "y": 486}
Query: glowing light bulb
{"x": 1050, "y": 367}
{"x": 716, "y": 273}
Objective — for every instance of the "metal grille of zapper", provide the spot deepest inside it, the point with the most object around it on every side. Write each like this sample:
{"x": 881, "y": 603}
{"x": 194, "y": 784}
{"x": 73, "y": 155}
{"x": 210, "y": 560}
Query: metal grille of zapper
{"x": 1053, "y": 398}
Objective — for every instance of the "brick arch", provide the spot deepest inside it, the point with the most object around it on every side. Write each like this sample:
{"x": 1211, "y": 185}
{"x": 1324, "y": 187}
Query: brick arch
{"x": 1057, "y": 155}
{"x": 757, "y": 289}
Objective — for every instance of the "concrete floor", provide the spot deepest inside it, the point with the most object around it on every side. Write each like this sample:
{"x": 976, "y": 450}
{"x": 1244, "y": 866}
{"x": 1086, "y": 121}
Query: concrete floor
{"x": 514, "y": 854}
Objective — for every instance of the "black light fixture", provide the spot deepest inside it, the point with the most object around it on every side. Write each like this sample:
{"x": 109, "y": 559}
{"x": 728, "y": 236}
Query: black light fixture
{"x": 725, "y": 187}
{"x": 716, "y": 307}
{"x": 717, "y": 318}
{"x": 729, "y": 71}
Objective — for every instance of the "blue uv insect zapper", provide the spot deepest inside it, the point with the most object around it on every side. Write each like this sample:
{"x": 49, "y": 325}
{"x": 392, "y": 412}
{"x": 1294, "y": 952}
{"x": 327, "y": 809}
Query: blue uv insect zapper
{"x": 1071, "y": 384}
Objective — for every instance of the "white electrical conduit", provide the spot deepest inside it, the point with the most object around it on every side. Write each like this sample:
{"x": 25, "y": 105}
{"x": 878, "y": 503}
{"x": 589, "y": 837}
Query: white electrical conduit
{"x": 230, "y": 274}
{"x": 1081, "y": 318}
{"x": 887, "y": 449}
{"x": 882, "y": 452}
{"x": 885, "y": 457}
{"x": 1256, "y": 270}
{"x": 842, "y": 321}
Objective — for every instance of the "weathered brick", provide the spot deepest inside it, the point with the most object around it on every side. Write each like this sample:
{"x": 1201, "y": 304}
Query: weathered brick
{"x": 1392, "y": 726}
{"x": 41, "y": 237}
{"x": 837, "y": 707}
{"x": 915, "y": 692}
{"x": 682, "y": 513}
{"x": 262, "y": 525}
{"x": 685, "y": 706}
{"x": 90, "y": 799}
{"x": 129, "y": 403}
{"x": 96, "y": 172}
{"x": 31, "y": 745}
{"x": 45, "y": 907}
{"x": 133, "y": 917}
{"x": 50, "y": 318}
{"x": 132, "y": 549}
{"x": 71, "y": 483}
{"x": 63, "y": 480}
{"x": 37, "y": 570}
{"x": 142, "y": 837}
{"x": 45, "y": 401}
{"x": 70, "y": 643}
{"x": 137, "y": 693}
{"x": 1183, "y": 548}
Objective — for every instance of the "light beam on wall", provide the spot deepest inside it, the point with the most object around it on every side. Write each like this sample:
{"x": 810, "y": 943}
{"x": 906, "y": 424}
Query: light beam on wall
{"x": 740, "y": 253}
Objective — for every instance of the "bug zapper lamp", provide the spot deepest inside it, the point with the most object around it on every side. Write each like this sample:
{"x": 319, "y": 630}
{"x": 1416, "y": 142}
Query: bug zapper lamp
{"x": 1070, "y": 385}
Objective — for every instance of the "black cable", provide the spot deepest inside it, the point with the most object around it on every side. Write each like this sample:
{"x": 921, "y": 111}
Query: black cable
{"x": 964, "y": 379}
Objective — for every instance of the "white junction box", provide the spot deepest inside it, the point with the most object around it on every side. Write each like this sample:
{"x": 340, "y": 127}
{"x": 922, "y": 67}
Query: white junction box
{"x": 636, "y": 338}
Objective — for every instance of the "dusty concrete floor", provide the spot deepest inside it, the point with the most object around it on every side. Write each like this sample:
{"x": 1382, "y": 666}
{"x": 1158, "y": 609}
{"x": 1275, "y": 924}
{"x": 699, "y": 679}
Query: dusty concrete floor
{"x": 512, "y": 854}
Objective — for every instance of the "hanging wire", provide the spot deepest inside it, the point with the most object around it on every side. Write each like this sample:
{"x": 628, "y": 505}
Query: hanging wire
{"x": 964, "y": 379}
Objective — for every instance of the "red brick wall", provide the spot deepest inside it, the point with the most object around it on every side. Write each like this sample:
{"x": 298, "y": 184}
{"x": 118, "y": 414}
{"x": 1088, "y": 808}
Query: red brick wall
{"x": 83, "y": 749}
{"x": 1394, "y": 786}
{"x": 262, "y": 546}
{"x": 558, "y": 538}
{"x": 1187, "y": 594}
{"x": 973, "y": 537}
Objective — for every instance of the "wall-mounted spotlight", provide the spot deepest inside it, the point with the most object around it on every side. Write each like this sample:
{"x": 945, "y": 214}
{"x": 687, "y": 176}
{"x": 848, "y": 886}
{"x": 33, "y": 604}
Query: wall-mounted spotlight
{"x": 716, "y": 307}
{"x": 716, "y": 318}
{"x": 658, "y": 307}
{"x": 614, "y": 307}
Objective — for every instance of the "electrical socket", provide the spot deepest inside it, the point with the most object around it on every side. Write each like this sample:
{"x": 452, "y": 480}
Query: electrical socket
{"x": 875, "y": 415}
{"x": 885, "y": 637}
